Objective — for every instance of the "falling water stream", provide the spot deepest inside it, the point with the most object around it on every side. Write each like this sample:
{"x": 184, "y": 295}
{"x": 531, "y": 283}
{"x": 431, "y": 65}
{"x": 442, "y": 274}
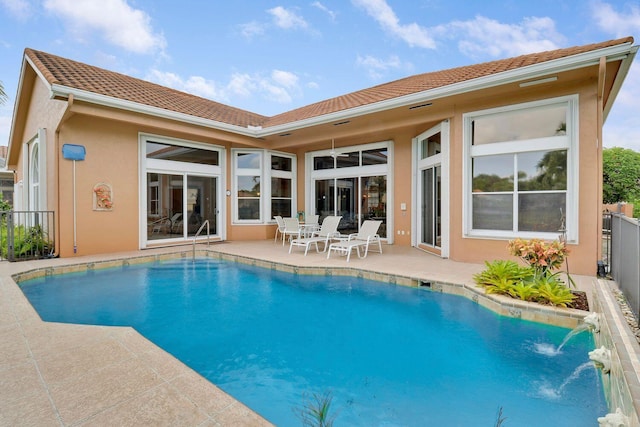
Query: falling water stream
{"x": 550, "y": 350}
{"x": 555, "y": 393}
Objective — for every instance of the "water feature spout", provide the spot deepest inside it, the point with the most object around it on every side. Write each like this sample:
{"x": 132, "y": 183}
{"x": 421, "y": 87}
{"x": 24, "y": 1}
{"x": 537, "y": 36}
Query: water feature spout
{"x": 615, "y": 419}
{"x": 601, "y": 357}
{"x": 593, "y": 321}
{"x": 590, "y": 322}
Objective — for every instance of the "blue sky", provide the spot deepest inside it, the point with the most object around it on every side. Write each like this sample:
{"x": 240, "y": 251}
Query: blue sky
{"x": 272, "y": 56}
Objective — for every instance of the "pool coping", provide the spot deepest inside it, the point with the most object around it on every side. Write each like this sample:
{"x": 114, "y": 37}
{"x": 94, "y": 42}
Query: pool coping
{"x": 623, "y": 380}
{"x": 502, "y": 305}
{"x": 201, "y": 402}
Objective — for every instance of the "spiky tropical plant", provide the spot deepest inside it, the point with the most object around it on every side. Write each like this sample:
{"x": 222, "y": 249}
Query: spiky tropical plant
{"x": 316, "y": 411}
{"x": 500, "y": 276}
{"x": 553, "y": 291}
{"x": 500, "y": 419}
{"x": 526, "y": 291}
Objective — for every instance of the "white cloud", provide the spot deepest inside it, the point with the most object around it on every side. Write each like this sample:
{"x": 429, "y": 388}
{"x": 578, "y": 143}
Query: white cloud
{"x": 287, "y": 19}
{"x": 412, "y": 34}
{"x": 21, "y": 9}
{"x": 621, "y": 128}
{"x": 325, "y": 9}
{"x": 251, "y": 29}
{"x": 376, "y": 67}
{"x": 621, "y": 24}
{"x": 274, "y": 92}
{"x": 279, "y": 86}
{"x": 487, "y": 37}
{"x": 285, "y": 78}
{"x": 242, "y": 85}
{"x": 195, "y": 85}
{"x": 115, "y": 20}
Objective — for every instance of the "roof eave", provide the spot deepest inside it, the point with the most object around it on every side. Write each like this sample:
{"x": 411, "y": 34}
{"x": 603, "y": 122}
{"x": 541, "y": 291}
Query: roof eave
{"x": 13, "y": 134}
{"x": 60, "y": 91}
{"x": 621, "y": 75}
{"x": 624, "y": 51}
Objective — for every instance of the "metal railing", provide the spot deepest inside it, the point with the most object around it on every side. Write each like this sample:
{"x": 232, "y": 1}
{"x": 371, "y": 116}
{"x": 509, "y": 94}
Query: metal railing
{"x": 27, "y": 235}
{"x": 623, "y": 256}
{"x": 205, "y": 223}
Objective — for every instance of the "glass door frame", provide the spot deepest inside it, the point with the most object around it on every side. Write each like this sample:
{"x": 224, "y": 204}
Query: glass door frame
{"x": 419, "y": 165}
{"x": 185, "y": 170}
{"x": 357, "y": 173}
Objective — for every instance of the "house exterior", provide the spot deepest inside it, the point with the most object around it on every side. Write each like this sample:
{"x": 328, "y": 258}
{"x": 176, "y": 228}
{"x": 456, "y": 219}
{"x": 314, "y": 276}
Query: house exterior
{"x": 126, "y": 164}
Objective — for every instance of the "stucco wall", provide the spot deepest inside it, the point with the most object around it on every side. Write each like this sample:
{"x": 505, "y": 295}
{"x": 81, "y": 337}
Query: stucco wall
{"x": 112, "y": 158}
{"x": 44, "y": 114}
{"x": 585, "y": 252}
{"x": 111, "y": 141}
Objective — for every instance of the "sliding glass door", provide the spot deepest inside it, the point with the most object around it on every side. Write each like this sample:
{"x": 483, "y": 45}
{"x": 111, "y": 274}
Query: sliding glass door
{"x": 431, "y": 207}
{"x": 174, "y": 215}
{"x": 182, "y": 187}
{"x": 432, "y": 199}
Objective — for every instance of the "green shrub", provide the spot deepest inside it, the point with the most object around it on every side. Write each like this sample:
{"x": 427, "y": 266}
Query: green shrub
{"x": 525, "y": 291}
{"x": 505, "y": 277}
{"x": 29, "y": 242}
{"x": 552, "y": 290}
{"x": 500, "y": 276}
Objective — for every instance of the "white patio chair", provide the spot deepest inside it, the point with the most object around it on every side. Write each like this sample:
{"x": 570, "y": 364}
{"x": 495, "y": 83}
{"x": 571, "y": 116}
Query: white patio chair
{"x": 367, "y": 235}
{"x": 279, "y": 228}
{"x": 328, "y": 231}
{"x": 291, "y": 229}
{"x": 176, "y": 223}
{"x": 310, "y": 225}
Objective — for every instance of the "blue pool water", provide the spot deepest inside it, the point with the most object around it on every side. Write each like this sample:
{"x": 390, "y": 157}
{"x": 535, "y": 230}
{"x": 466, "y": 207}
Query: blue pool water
{"x": 389, "y": 355}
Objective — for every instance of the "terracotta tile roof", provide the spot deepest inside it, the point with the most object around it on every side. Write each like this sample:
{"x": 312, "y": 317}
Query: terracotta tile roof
{"x": 85, "y": 77}
{"x": 76, "y": 75}
{"x": 431, "y": 80}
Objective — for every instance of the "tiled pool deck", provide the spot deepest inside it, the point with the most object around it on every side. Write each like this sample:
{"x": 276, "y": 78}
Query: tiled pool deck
{"x": 71, "y": 375}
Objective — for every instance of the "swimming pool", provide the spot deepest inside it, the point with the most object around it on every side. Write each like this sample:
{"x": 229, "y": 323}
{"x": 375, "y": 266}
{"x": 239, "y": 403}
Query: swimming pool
{"x": 389, "y": 355}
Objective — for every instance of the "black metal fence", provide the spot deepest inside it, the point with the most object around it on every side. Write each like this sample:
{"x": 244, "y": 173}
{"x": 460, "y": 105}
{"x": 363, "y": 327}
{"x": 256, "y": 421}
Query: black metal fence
{"x": 26, "y": 235}
{"x": 621, "y": 253}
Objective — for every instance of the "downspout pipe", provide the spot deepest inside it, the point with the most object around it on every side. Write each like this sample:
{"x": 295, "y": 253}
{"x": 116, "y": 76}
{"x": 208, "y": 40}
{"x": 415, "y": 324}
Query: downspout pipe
{"x": 66, "y": 115}
{"x": 602, "y": 78}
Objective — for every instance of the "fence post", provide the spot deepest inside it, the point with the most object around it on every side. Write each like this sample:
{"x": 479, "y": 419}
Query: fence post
{"x": 637, "y": 264}
{"x": 10, "y": 236}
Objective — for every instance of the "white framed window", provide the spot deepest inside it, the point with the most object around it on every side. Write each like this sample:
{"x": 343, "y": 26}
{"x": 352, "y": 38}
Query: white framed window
{"x": 34, "y": 176}
{"x": 282, "y": 188}
{"x": 248, "y": 183}
{"x": 520, "y": 170}
{"x": 353, "y": 182}
{"x": 181, "y": 186}
{"x": 31, "y": 191}
{"x": 264, "y": 185}
{"x": 154, "y": 200}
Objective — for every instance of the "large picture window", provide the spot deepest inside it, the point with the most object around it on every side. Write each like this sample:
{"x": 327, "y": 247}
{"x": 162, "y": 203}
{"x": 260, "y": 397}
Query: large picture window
{"x": 182, "y": 181}
{"x": 352, "y": 183}
{"x": 520, "y": 170}
{"x": 264, "y": 185}
{"x": 281, "y": 186}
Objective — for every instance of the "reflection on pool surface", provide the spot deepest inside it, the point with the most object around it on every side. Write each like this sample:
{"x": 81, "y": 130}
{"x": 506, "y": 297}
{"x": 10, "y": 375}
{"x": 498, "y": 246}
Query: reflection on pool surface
{"x": 389, "y": 355}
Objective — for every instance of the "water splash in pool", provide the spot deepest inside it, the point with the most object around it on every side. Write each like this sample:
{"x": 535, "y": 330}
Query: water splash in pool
{"x": 554, "y": 393}
{"x": 551, "y": 351}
